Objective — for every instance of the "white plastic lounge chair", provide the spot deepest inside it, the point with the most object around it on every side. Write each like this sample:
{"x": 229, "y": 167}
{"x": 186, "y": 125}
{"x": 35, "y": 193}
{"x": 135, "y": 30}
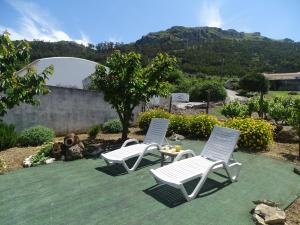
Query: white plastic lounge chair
{"x": 153, "y": 141}
{"x": 217, "y": 154}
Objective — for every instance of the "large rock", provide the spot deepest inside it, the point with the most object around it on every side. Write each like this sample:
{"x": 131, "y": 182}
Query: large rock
{"x": 258, "y": 219}
{"x": 28, "y": 161}
{"x": 271, "y": 215}
{"x": 74, "y": 152}
{"x": 175, "y": 137}
{"x": 287, "y": 135}
{"x": 93, "y": 150}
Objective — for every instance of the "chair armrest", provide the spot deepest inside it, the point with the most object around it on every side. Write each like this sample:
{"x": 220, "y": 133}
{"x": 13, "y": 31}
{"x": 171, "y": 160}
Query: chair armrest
{"x": 152, "y": 145}
{"x": 129, "y": 141}
{"x": 184, "y": 153}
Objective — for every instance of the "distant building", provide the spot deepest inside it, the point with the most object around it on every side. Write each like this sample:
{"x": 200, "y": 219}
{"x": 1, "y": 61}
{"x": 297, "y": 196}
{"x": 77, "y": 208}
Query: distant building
{"x": 284, "y": 81}
{"x": 68, "y": 71}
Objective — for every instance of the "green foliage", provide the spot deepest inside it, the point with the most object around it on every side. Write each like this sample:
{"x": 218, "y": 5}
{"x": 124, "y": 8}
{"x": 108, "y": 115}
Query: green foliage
{"x": 144, "y": 118}
{"x": 8, "y": 136}
{"x": 36, "y": 135}
{"x": 42, "y": 154}
{"x": 207, "y": 50}
{"x": 281, "y": 108}
{"x": 215, "y": 90}
{"x": 253, "y": 105}
{"x": 255, "y": 82}
{"x": 201, "y": 125}
{"x": 112, "y": 126}
{"x": 255, "y": 134}
{"x": 18, "y": 89}
{"x": 295, "y": 119}
{"x": 234, "y": 109}
{"x": 127, "y": 83}
{"x": 94, "y": 130}
{"x": 179, "y": 124}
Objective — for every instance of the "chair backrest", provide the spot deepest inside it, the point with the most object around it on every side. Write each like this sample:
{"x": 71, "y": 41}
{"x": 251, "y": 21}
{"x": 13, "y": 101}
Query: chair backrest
{"x": 157, "y": 131}
{"x": 221, "y": 144}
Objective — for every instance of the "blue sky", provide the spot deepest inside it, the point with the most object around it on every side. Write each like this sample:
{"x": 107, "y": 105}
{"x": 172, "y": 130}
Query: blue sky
{"x": 94, "y": 21}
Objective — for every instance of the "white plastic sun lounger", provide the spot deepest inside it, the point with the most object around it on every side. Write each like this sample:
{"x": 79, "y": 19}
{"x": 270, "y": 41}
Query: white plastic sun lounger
{"x": 217, "y": 154}
{"x": 153, "y": 141}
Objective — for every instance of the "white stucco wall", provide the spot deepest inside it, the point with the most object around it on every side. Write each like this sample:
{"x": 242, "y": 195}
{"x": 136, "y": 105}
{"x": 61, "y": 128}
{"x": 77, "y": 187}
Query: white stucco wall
{"x": 68, "y": 71}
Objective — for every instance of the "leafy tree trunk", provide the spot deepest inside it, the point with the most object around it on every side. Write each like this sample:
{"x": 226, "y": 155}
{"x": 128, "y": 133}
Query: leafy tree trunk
{"x": 125, "y": 124}
{"x": 125, "y": 131}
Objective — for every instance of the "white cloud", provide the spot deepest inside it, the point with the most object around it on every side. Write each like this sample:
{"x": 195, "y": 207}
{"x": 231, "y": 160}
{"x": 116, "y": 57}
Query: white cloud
{"x": 210, "y": 14}
{"x": 37, "y": 24}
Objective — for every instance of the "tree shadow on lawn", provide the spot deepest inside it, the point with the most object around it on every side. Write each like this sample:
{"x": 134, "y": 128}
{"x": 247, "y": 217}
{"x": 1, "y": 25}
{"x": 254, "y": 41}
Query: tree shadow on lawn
{"x": 172, "y": 197}
{"x": 118, "y": 169}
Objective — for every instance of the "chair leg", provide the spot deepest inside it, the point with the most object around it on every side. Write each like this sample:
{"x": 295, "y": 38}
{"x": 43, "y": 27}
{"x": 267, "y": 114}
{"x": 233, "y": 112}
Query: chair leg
{"x": 196, "y": 190}
{"x": 133, "y": 168}
{"x": 235, "y": 170}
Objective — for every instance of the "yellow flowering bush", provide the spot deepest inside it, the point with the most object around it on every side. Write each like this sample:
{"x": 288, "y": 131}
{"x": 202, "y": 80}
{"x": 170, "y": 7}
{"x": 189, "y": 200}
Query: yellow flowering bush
{"x": 201, "y": 125}
{"x": 144, "y": 118}
{"x": 179, "y": 124}
{"x": 255, "y": 134}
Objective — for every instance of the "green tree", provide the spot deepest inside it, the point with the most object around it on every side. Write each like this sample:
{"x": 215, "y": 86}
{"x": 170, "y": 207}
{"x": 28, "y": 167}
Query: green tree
{"x": 256, "y": 83}
{"x": 208, "y": 91}
{"x": 295, "y": 119}
{"x": 16, "y": 89}
{"x": 125, "y": 83}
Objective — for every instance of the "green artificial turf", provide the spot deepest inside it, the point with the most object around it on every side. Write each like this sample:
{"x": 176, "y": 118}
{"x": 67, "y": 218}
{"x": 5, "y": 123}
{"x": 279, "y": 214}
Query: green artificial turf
{"x": 88, "y": 192}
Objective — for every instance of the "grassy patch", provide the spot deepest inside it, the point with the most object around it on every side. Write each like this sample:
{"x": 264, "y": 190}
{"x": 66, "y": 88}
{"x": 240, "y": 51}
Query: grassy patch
{"x": 273, "y": 94}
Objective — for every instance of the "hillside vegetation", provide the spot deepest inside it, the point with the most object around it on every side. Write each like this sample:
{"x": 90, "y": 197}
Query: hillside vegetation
{"x": 199, "y": 50}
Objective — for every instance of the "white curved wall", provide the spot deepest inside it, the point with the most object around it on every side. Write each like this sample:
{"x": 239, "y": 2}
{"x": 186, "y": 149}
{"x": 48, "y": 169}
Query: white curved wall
{"x": 68, "y": 71}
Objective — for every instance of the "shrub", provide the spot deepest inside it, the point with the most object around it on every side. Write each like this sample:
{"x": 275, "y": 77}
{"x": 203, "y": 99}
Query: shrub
{"x": 179, "y": 124}
{"x": 234, "y": 109}
{"x": 280, "y": 109}
{"x": 201, "y": 125}
{"x": 255, "y": 134}
{"x": 216, "y": 89}
{"x": 93, "y": 131}
{"x": 8, "y": 136}
{"x": 36, "y": 135}
{"x": 42, "y": 154}
{"x": 144, "y": 118}
{"x": 253, "y": 105}
{"x": 112, "y": 126}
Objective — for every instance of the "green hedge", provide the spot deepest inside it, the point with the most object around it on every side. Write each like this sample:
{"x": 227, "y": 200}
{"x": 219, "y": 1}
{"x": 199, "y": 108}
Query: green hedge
{"x": 255, "y": 134}
{"x": 198, "y": 126}
{"x": 179, "y": 124}
{"x": 201, "y": 125}
{"x": 144, "y": 118}
{"x": 36, "y": 135}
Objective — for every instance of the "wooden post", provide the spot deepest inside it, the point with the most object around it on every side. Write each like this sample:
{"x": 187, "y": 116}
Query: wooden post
{"x": 170, "y": 105}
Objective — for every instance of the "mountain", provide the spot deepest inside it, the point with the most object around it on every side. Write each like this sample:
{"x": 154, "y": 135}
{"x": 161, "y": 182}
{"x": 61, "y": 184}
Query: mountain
{"x": 199, "y": 50}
